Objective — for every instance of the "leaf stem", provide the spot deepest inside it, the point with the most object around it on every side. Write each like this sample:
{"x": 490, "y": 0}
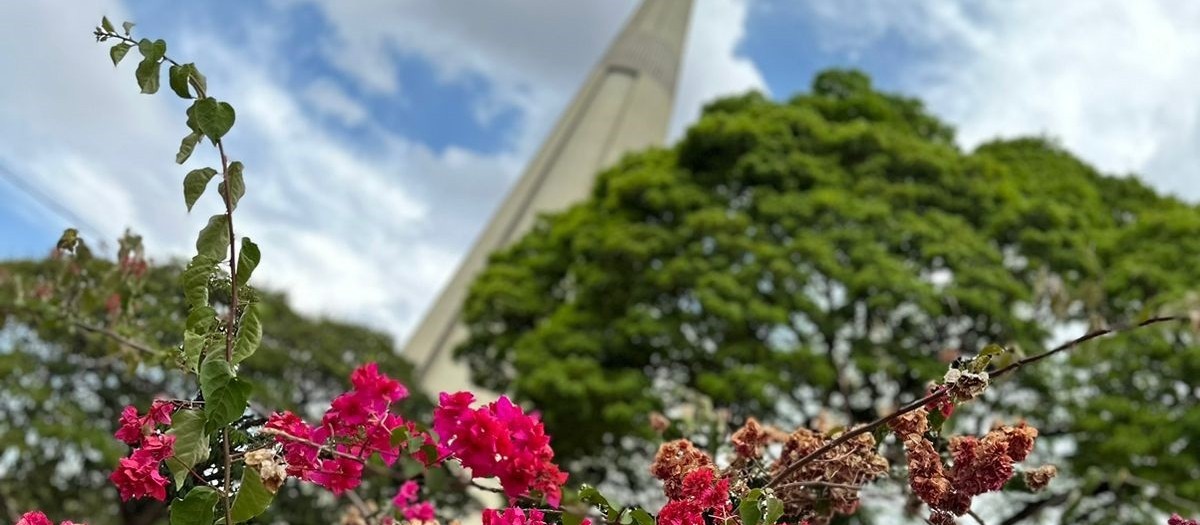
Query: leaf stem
{"x": 232, "y": 318}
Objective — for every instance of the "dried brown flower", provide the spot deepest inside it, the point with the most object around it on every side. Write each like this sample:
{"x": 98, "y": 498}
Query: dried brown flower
{"x": 915, "y": 422}
{"x": 749, "y": 440}
{"x": 980, "y": 465}
{"x": 828, "y": 478}
{"x": 272, "y": 472}
{"x": 1039, "y": 478}
{"x": 674, "y": 460}
{"x": 659, "y": 423}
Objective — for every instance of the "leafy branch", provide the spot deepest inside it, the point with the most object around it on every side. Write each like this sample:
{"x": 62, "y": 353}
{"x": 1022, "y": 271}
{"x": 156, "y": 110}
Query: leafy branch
{"x": 226, "y": 396}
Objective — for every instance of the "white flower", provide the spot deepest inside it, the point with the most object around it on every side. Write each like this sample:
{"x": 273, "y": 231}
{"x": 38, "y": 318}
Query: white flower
{"x": 952, "y": 376}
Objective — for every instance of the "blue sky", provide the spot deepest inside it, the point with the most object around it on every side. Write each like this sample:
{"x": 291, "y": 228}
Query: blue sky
{"x": 380, "y": 135}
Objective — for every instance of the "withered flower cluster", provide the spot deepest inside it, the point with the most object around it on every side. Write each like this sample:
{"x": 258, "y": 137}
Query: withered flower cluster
{"x": 979, "y": 464}
{"x": 833, "y": 478}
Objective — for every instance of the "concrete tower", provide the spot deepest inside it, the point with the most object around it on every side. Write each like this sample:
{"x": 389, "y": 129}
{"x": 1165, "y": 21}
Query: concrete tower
{"x": 624, "y": 105}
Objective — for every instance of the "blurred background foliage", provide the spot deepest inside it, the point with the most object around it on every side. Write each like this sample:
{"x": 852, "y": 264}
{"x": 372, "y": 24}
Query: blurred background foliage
{"x": 818, "y": 259}
{"x": 82, "y": 336}
{"x": 828, "y": 256}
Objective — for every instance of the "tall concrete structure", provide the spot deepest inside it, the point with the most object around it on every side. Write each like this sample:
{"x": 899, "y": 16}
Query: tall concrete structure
{"x": 625, "y": 105}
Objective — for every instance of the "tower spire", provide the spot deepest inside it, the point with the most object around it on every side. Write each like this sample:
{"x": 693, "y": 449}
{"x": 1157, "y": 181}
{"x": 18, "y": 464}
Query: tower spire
{"x": 624, "y": 105}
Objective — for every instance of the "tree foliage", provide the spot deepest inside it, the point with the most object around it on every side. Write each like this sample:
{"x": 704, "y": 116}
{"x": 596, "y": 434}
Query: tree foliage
{"x": 68, "y": 366}
{"x": 837, "y": 250}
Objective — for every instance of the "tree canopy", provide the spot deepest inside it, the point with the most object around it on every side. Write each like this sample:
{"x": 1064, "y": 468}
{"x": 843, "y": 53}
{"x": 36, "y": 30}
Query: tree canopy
{"x": 839, "y": 250}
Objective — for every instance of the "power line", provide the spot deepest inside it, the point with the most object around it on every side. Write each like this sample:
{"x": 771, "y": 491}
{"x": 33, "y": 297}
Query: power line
{"x": 49, "y": 203}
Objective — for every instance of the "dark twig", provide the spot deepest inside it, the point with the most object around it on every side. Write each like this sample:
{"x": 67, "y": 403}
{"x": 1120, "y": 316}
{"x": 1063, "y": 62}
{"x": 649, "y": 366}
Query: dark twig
{"x": 941, "y": 393}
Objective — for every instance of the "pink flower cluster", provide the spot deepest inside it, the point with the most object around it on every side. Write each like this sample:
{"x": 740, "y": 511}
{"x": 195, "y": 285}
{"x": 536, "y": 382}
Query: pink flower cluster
{"x": 499, "y": 440}
{"x": 700, "y": 492}
{"x": 38, "y": 518}
{"x": 137, "y": 476}
{"x": 1176, "y": 519}
{"x": 134, "y": 427}
{"x": 518, "y": 516}
{"x": 413, "y": 510}
{"x": 357, "y": 424}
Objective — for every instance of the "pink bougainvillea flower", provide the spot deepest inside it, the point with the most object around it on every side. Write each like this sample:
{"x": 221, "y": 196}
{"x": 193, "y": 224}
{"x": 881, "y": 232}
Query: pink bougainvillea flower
{"x": 134, "y": 426}
{"x": 130, "y": 430}
{"x": 337, "y": 474}
{"x": 138, "y": 477}
{"x": 407, "y": 493}
{"x": 499, "y": 440}
{"x": 517, "y": 516}
{"x": 34, "y": 518}
{"x": 38, "y": 518}
{"x": 160, "y": 412}
{"x": 358, "y": 423}
{"x": 406, "y": 501}
{"x": 421, "y": 511}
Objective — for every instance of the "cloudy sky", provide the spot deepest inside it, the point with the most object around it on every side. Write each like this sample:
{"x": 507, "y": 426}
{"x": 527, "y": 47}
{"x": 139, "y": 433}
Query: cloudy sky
{"x": 379, "y": 135}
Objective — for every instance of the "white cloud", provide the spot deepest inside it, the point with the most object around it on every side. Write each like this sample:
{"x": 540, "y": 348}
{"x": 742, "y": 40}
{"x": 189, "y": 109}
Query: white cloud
{"x": 534, "y": 53}
{"x": 325, "y": 96}
{"x": 367, "y": 228}
{"x": 1115, "y": 81}
{"x": 711, "y": 66}
{"x": 343, "y": 227}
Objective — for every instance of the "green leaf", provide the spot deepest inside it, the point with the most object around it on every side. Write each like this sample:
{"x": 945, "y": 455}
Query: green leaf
{"x": 225, "y": 395}
{"x": 571, "y": 519}
{"x": 991, "y": 350}
{"x": 227, "y": 404}
{"x": 417, "y": 444}
{"x": 249, "y": 334}
{"x": 118, "y": 52}
{"x": 128, "y": 26}
{"x": 177, "y": 77}
{"x": 191, "y": 443}
{"x": 155, "y": 50}
{"x": 588, "y": 494}
{"x": 187, "y": 146}
{"x": 194, "y": 184}
{"x": 214, "y": 118}
{"x": 194, "y": 345}
{"x": 195, "y": 280}
{"x": 399, "y": 436}
{"x": 641, "y": 517}
{"x": 247, "y": 260}
{"x": 252, "y": 498}
{"x": 748, "y": 508}
{"x": 147, "y": 74}
{"x": 215, "y": 374}
{"x": 197, "y": 508}
{"x": 936, "y": 421}
{"x": 774, "y": 510}
{"x": 104, "y": 23}
{"x": 214, "y": 238}
{"x": 233, "y": 181}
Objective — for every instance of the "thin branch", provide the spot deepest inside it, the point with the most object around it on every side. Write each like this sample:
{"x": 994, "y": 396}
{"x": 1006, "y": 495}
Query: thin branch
{"x": 359, "y": 503}
{"x": 233, "y": 303}
{"x": 978, "y": 519}
{"x": 309, "y": 442}
{"x": 1034, "y": 507}
{"x": 116, "y": 337}
{"x": 818, "y": 484}
{"x": 941, "y": 393}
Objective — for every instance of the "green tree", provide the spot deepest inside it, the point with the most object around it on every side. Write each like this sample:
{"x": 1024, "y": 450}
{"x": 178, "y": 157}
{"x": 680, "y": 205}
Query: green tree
{"x": 82, "y": 336}
{"x": 836, "y": 251}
